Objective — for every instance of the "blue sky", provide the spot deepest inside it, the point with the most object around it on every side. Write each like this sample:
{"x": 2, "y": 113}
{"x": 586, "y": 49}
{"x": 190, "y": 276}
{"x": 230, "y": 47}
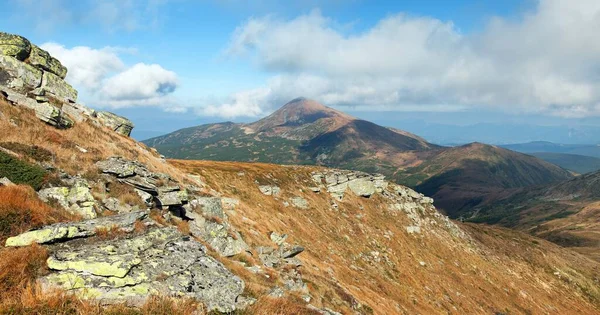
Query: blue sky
{"x": 168, "y": 64}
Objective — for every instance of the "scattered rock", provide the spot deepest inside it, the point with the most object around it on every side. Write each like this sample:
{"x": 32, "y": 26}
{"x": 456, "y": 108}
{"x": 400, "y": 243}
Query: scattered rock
{"x": 269, "y": 190}
{"x": 277, "y": 238}
{"x": 299, "y": 202}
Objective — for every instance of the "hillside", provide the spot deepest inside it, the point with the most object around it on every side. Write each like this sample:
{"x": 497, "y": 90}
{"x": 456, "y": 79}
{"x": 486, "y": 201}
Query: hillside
{"x": 461, "y": 178}
{"x": 565, "y": 213}
{"x": 577, "y": 163}
{"x": 306, "y": 132}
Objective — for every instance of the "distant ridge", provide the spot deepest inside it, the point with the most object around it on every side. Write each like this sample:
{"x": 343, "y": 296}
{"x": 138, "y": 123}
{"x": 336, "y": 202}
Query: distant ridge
{"x": 303, "y": 131}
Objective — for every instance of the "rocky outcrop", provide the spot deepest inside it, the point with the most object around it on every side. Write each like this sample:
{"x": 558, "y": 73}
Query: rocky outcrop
{"x": 338, "y": 181}
{"x": 160, "y": 261}
{"x": 31, "y": 77}
{"x": 139, "y": 177}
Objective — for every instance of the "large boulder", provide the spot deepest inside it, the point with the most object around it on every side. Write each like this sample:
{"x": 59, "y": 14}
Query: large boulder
{"x": 115, "y": 122}
{"x": 57, "y": 87}
{"x": 19, "y": 76}
{"x": 41, "y": 59}
{"x": 14, "y": 46}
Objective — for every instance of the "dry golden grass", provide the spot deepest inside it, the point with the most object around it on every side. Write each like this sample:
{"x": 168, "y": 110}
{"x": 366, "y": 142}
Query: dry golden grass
{"x": 100, "y": 142}
{"x": 274, "y": 306}
{"x": 459, "y": 275}
{"x": 21, "y": 210}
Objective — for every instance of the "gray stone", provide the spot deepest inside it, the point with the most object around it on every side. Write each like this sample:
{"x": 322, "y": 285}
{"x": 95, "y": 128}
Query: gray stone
{"x": 276, "y": 292}
{"x": 57, "y": 87}
{"x": 362, "y": 187}
{"x": 115, "y": 122}
{"x": 66, "y": 231}
{"x": 218, "y": 235}
{"x": 291, "y": 252}
{"x": 77, "y": 199}
{"x": 277, "y": 238}
{"x": 211, "y": 206}
{"x": 161, "y": 262}
{"x": 299, "y": 202}
{"x": 19, "y": 76}
{"x": 269, "y": 190}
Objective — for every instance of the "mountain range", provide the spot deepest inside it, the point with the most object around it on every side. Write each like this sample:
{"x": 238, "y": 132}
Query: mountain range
{"x": 304, "y": 131}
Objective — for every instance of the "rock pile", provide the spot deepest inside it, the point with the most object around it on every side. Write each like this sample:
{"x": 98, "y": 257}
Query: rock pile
{"x": 31, "y": 77}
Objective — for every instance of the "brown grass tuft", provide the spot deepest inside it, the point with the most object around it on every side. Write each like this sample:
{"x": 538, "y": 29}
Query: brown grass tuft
{"x": 110, "y": 233}
{"x": 22, "y": 210}
{"x": 273, "y": 306}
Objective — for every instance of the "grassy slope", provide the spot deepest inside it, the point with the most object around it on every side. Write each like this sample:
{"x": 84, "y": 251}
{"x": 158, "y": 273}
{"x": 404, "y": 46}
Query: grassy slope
{"x": 498, "y": 271}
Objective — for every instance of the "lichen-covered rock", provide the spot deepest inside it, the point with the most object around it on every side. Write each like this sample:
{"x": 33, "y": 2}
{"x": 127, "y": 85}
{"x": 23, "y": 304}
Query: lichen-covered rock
{"x": 77, "y": 112}
{"x": 19, "y": 76}
{"x": 54, "y": 85}
{"x": 65, "y": 231}
{"x": 14, "y": 46}
{"x": 218, "y": 236}
{"x": 115, "y": 122}
{"x": 162, "y": 261}
{"x": 210, "y": 206}
{"x": 121, "y": 167}
{"x": 77, "y": 199}
{"x": 41, "y": 59}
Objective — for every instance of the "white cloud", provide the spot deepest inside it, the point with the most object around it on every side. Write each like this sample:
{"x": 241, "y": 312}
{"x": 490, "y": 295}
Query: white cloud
{"x": 87, "y": 67}
{"x": 547, "y": 61}
{"x": 106, "y": 81}
{"x": 141, "y": 84}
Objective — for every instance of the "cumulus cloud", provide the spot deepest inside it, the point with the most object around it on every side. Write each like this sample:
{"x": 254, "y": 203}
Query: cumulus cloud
{"x": 106, "y": 81}
{"x": 546, "y": 62}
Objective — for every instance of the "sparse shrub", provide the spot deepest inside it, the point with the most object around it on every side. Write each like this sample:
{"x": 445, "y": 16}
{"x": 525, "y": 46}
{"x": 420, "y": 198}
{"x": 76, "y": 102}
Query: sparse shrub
{"x": 20, "y": 172}
{"x": 31, "y": 151}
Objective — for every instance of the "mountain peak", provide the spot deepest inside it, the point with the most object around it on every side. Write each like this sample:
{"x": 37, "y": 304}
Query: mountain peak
{"x": 301, "y": 111}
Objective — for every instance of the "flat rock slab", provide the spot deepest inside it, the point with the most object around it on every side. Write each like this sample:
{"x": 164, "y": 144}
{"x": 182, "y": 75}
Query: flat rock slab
{"x": 66, "y": 231}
